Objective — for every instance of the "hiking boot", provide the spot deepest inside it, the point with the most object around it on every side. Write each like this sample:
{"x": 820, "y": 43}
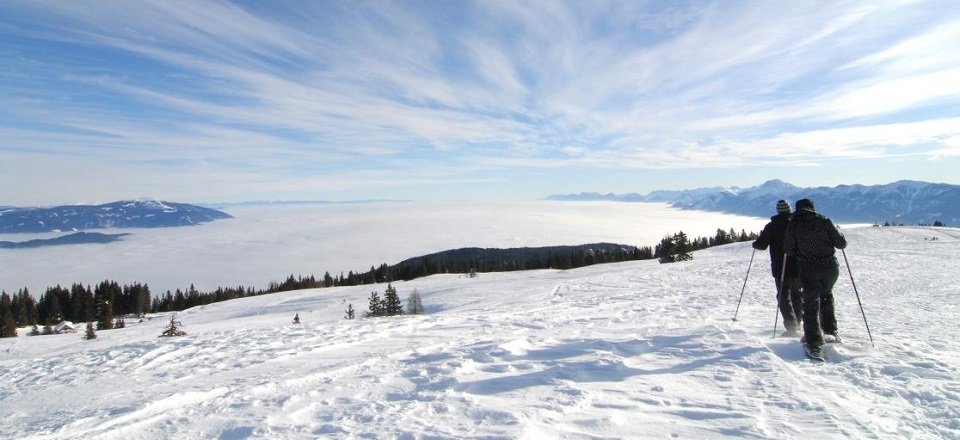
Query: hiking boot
{"x": 814, "y": 352}
{"x": 803, "y": 339}
{"x": 832, "y": 338}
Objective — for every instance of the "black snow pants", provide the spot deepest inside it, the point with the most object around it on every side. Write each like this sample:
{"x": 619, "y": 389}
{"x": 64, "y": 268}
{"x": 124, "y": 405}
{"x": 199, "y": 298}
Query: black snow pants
{"x": 818, "y": 312}
{"x": 790, "y": 300}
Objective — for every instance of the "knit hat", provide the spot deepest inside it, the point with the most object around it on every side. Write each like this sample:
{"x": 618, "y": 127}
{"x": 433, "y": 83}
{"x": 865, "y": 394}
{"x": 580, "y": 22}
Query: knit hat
{"x": 783, "y": 207}
{"x": 805, "y": 204}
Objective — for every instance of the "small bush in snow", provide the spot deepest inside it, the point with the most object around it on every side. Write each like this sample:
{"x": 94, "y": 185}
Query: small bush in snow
{"x": 173, "y": 329}
{"x": 349, "y": 313}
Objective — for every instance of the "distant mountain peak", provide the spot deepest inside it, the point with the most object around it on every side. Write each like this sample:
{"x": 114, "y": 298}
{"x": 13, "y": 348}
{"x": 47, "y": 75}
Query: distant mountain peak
{"x": 775, "y": 187}
{"x": 776, "y": 183}
{"x": 145, "y": 204}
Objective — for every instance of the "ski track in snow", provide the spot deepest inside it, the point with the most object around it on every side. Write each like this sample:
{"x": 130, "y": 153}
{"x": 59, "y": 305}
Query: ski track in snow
{"x": 627, "y": 350}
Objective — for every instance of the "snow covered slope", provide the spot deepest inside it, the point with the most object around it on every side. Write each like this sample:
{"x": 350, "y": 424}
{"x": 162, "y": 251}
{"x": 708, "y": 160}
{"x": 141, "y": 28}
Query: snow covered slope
{"x": 629, "y": 350}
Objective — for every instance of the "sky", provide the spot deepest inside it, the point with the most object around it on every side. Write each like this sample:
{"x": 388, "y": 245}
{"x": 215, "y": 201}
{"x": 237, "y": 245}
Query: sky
{"x": 217, "y": 101}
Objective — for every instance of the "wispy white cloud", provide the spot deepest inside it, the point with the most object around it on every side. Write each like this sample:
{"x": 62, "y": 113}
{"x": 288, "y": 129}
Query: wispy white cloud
{"x": 893, "y": 96}
{"x": 924, "y": 52}
{"x": 398, "y": 87}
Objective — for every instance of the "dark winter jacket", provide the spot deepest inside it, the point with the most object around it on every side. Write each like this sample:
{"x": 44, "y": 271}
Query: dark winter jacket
{"x": 772, "y": 237}
{"x": 812, "y": 238}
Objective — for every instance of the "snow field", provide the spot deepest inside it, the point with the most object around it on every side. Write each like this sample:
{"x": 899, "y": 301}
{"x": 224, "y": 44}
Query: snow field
{"x": 627, "y": 350}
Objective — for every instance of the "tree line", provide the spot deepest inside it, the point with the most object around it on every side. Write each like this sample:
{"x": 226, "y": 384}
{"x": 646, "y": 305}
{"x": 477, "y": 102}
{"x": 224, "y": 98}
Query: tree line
{"x": 105, "y": 304}
{"x": 108, "y": 302}
{"x": 472, "y": 260}
{"x": 677, "y": 247}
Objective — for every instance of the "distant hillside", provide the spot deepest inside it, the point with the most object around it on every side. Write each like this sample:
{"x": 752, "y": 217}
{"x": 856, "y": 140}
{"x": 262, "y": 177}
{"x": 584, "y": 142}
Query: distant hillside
{"x": 122, "y": 214}
{"x": 466, "y": 260}
{"x": 496, "y": 260}
{"x": 905, "y": 201}
{"x": 75, "y": 238}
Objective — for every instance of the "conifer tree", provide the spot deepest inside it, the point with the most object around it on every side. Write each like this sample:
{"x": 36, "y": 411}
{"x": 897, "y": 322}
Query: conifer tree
{"x": 105, "y": 316}
{"x": 24, "y": 308}
{"x": 8, "y": 326}
{"x": 349, "y": 313}
{"x": 673, "y": 248}
{"x": 141, "y": 299}
{"x": 665, "y": 250}
{"x": 392, "y": 305}
{"x": 90, "y": 333}
{"x": 682, "y": 247}
{"x": 179, "y": 301}
{"x": 84, "y": 306}
{"x": 49, "y": 306}
{"x": 375, "y": 307}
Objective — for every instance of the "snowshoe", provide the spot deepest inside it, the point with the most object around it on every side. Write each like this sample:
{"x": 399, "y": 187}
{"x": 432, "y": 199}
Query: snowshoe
{"x": 814, "y": 353}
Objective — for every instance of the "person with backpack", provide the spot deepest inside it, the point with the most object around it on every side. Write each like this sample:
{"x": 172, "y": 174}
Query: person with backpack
{"x": 812, "y": 238}
{"x": 785, "y": 273}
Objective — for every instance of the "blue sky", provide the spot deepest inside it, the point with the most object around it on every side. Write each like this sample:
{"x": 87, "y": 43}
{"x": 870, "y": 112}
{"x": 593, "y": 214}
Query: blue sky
{"x": 211, "y": 101}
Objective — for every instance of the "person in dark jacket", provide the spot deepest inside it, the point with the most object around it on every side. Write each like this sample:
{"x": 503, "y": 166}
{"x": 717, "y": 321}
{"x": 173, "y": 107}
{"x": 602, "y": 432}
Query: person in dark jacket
{"x": 812, "y": 238}
{"x": 785, "y": 273}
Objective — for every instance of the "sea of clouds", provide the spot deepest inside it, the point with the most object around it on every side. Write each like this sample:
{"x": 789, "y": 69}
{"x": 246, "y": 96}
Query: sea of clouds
{"x": 265, "y": 243}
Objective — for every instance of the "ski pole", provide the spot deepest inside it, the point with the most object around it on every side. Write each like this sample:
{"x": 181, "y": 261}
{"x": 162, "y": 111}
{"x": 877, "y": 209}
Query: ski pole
{"x": 783, "y": 275}
{"x": 744, "y": 285}
{"x": 858, "y": 297}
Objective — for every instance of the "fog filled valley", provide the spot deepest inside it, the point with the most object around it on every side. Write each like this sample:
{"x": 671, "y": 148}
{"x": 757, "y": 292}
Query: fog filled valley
{"x": 268, "y": 242}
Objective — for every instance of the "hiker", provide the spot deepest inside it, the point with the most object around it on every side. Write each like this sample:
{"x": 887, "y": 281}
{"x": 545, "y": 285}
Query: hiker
{"x": 785, "y": 274}
{"x": 812, "y": 238}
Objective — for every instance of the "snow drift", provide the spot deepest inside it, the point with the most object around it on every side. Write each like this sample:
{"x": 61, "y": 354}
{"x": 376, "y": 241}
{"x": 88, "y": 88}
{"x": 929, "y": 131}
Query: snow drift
{"x": 626, "y": 350}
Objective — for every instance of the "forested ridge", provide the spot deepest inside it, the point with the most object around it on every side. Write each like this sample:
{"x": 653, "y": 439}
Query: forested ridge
{"x": 108, "y": 302}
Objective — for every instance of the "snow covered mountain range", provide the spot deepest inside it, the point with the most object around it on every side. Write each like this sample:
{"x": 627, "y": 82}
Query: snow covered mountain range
{"x": 121, "y": 214}
{"x": 902, "y": 202}
{"x": 631, "y": 350}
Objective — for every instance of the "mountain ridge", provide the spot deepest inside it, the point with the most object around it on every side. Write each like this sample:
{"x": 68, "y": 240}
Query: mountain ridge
{"x": 69, "y": 239}
{"x": 900, "y": 202}
{"x": 142, "y": 213}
